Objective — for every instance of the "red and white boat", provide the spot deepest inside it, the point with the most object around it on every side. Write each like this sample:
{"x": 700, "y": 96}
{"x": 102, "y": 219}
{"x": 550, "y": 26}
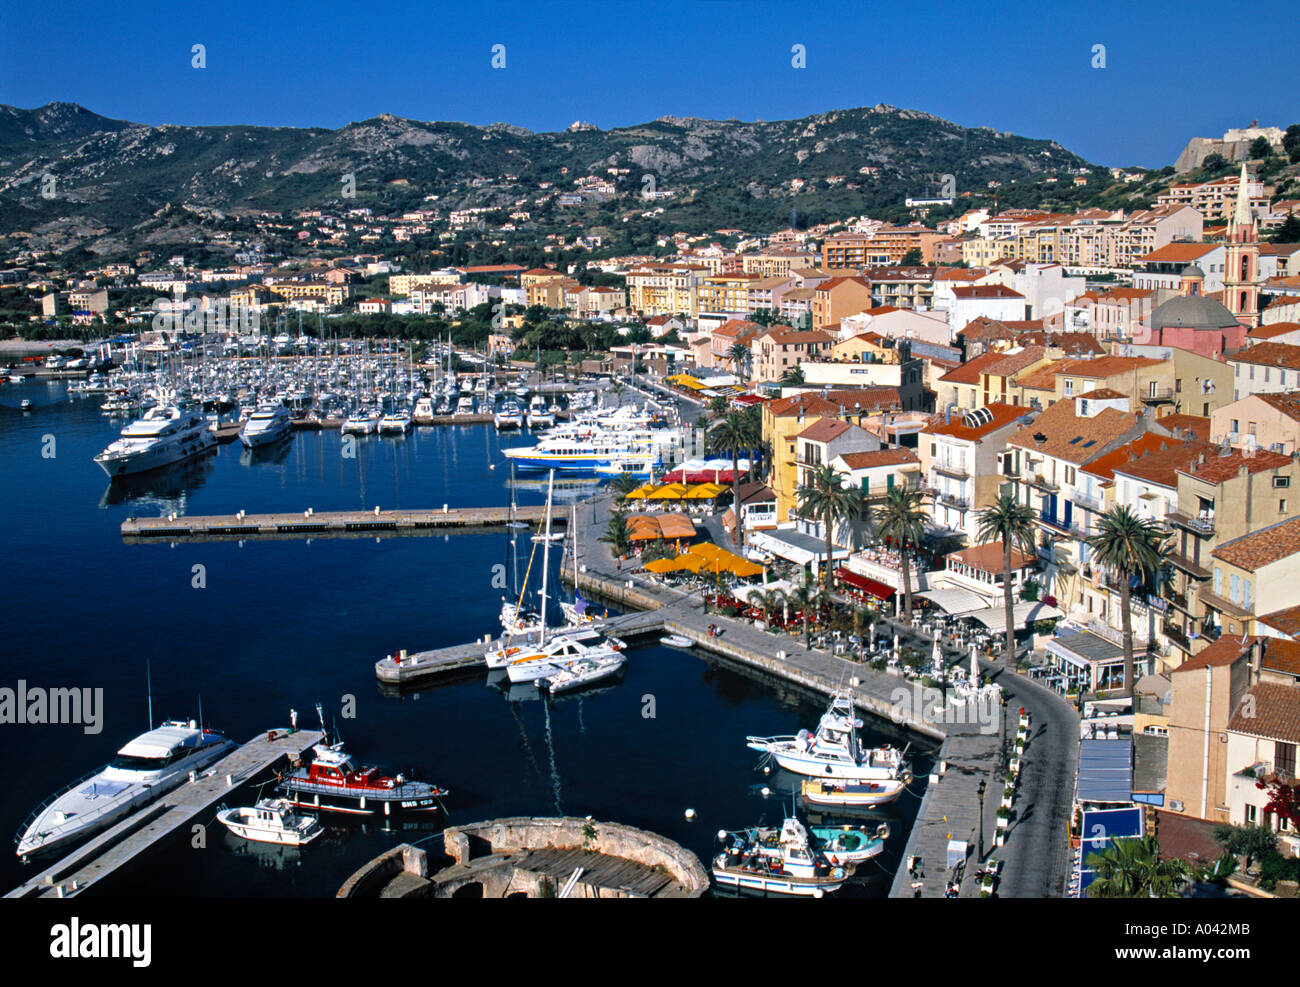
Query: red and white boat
{"x": 332, "y": 782}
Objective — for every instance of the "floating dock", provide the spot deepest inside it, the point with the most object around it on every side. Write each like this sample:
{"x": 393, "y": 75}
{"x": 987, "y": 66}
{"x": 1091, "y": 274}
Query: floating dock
{"x": 144, "y": 830}
{"x": 327, "y": 523}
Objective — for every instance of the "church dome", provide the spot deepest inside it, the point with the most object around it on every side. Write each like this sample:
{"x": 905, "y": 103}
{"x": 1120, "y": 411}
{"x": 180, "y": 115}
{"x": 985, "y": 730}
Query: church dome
{"x": 1194, "y": 312}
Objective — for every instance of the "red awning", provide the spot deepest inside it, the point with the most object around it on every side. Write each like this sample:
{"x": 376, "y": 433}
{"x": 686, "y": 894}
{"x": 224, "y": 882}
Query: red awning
{"x": 869, "y": 586}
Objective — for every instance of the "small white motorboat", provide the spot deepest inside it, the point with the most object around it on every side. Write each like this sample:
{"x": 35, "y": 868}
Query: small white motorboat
{"x": 581, "y": 673}
{"x": 676, "y": 641}
{"x": 26, "y": 404}
{"x": 271, "y": 821}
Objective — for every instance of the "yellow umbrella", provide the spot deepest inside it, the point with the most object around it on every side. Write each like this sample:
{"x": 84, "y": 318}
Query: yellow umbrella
{"x": 704, "y": 491}
{"x": 641, "y": 492}
{"x": 669, "y": 491}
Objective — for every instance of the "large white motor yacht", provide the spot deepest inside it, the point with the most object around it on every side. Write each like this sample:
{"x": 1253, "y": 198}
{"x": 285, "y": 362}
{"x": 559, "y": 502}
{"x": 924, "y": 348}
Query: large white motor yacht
{"x": 266, "y": 426}
{"x": 833, "y": 750}
{"x": 144, "y": 770}
{"x": 167, "y": 434}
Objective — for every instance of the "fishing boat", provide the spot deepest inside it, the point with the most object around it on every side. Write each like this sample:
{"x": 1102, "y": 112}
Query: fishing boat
{"x": 849, "y": 844}
{"x": 851, "y": 792}
{"x": 777, "y": 861}
{"x": 143, "y": 771}
{"x": 581, "y": 673}
{"x": 271, "y": 821}
{"x": 333, "y": 782}
{"x": 833, "y": 750}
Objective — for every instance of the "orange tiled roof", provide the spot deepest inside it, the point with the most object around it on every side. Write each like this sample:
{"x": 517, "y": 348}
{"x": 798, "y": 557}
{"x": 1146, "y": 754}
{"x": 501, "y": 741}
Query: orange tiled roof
{"x": 1219, "y": 468}
{"x": 879, "y": 457}
{"x": 1263, "y": 547}
{"x": 1070, "y": 437}
{"x": 1269, "y": 354}
{"x": 1274, "y": 712}
{"x": 1003, "y": 415}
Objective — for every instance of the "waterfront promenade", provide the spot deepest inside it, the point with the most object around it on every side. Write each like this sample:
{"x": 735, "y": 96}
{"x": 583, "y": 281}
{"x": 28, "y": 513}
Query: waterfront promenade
{"x": 1036, "y": 851}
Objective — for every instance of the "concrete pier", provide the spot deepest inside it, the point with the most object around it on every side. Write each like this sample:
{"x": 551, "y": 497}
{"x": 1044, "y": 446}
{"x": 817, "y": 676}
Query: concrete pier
{"x": 144, "y": 830}
{"x": 325, "y": 524}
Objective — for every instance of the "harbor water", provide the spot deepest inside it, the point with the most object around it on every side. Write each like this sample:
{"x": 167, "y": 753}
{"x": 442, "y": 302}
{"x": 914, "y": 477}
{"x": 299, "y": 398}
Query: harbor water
{"x": 254, "y": 629}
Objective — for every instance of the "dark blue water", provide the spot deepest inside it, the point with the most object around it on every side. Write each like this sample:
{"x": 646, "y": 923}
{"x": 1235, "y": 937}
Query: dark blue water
{"x": 282, "y": 624}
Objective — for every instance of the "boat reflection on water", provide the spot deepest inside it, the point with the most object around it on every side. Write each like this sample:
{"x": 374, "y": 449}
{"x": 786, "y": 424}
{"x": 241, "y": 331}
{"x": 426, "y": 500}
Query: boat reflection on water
{"x": 784, "y": 786}
{"x": 164, "y": 488}
{"x": 274, "y": 453}
{"x": 272, "y": 856}
{"x": 567, "y": 489}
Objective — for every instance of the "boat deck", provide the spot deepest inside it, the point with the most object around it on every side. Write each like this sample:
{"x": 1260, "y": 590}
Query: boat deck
{"x": 144, "y": 830}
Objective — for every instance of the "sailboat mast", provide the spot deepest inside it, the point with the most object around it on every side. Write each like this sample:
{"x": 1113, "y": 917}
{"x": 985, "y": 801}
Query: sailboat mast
{"x": 546, "y": 552}
{"x": 148, "y": 675}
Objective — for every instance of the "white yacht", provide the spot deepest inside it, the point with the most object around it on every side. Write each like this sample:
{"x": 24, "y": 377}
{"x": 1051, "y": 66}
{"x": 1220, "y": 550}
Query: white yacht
{"x": 362, "y": 422}
{"x": 271, "y": 821}
{"x": 167, "y": 434}
{"x": 423, "y": 411}
{"x": 398, "y": 421}
{"x": 533, "y": 662}
{"x": 266, "y": 426}
{"x": 509, "y": 415}
{"x": 833, "y": 750}
{"x": 581, "y": 673}
{"x": 538, "y": 415}
{"x": 144, "y": 770}
{"x": 465, "y": 406}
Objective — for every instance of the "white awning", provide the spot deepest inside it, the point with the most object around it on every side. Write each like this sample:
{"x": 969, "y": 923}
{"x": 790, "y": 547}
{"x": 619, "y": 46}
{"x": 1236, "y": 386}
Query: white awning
{"x": 955, "y": 601}
{"x": 795, "y": 546}
{"x": 1025, "y": 613}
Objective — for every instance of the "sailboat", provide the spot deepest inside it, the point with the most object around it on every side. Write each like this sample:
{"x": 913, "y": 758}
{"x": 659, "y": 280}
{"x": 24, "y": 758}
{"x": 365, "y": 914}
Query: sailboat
{"x": 527, "y": 663}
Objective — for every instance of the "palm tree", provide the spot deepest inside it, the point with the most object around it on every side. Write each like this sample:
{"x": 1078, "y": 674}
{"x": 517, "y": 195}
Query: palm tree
{"x": 738, "y": 354}
{"x": 624, "y": 484}
{"x": 824, "y": 496}
{"x": 770, "y": 601}
{"x": 1128, "y": 546}
{"x": 792, "y": 377}
{"x": 805, "y": 596}
{"x": 733, "y": 434}
{"x": 1011, "y": 523}
{"x": 902, "y": 518}
{"x": 1131, "y": 868}
{"x": 617, "y": 536}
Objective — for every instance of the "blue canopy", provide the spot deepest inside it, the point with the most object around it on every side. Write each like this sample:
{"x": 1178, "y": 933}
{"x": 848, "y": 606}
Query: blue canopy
{"x": 1106, "y": 771}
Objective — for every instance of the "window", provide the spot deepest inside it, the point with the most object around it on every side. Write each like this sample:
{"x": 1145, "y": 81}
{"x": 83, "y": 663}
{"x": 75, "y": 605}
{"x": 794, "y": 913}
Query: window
{"x": 1281, "y": 481}
{"x": 1284, "y": 759}
{"x": 1252, "y": 428}
{"x": 1281, "y": 506}
{"x": 1234, "y": 593}
{"x": 1252, "y": 815}
{"x": 1218, "y": 581}
{"x": 1236, "y": 424}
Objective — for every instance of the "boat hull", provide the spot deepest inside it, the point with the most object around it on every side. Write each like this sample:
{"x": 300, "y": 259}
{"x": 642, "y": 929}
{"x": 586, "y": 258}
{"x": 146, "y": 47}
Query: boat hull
{"x": 865, "y": 793}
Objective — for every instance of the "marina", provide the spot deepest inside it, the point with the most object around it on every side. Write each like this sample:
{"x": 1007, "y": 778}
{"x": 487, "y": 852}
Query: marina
{"x": 136, "y": 835}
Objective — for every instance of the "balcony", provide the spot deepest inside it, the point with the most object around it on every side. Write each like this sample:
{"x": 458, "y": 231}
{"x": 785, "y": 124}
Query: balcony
{"x": 1158, "y": 395}
{"x": 1042, "y": 483}
{"x": 1054, "y": 523}
{"x": 1178, "y": 637}
{"x": 1200, "y": 524}
{"x": 1179, "y": 600}
{"x": 1180, "y": 561}
{"x": 1088, "y": 503}
{"x": 947, "y": 469}
{"x": 952, "y": 500}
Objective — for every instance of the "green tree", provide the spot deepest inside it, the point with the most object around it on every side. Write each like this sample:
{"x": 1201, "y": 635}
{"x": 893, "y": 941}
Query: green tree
{"x": 1251, "y": 842}
{"x": 911, "y": 258}
{"x": 1131, "y": 868}
{"x": 738, "y": 354}
{"x": 901, "y": 518}
{"x": 1261, "y": 148}
{"x": 1289, "y": 231}
{"x": 1011, "y": 523}
{"x": 824, "y": 496}
{"x": 793, "y": 377}
{"x": 806, "y": 597}
{"x": 1291, "y": 142}
{"x": 732, "y": 434}
{"x": 1128, "y": 546}
{"x": 617, "y": 536}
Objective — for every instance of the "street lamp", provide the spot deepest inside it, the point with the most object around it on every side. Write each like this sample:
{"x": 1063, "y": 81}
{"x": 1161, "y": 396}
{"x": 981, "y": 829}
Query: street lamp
{"x": 980, "y": 793}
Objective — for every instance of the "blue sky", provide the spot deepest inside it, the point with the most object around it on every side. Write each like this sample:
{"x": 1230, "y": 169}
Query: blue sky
{"x": 1173, "y": 70}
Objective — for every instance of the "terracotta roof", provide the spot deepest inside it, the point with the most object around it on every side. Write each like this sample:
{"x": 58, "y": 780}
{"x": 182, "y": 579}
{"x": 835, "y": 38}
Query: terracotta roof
{"x": 985, "y": 291}
{"x": 1179, "y": 252}
{"x": 1077, "y": 344}
{"x": 1271, "y": 331}
{"x": 787, "y": 335}
{"x": 969, "y": 372}
{"x": 1281, "y": 656}
{"x": 1044, "y": 378}
{"x": 1012, "y": 363}
{"x": 1198, "y": 426}
{"x": 1002, "y": 415}
{"x": 1109, "y": 366}
{"x": 1186, "y": 838}
{"x": 1217, "y": 469}
{"x": 1263, "y": 547}
{"x": 1100, "y": 394}
{"x": 1288, "y": 403}
{"x": 880, "y": 457}
{"x": 1269, "y": 354}
{"x": 983, "y": 328}
{"x": 1071, "y": 437}
{"x": 1285, "y": 621}
{"x": 989, "y": 557}
{"x": 1159, "y": 461}
{"x": 824, "y": 430}
{"x": 1274, "y": 711}
{"x": 754, "y": 492}
{"x": 806, "y": 402}
{"x": 1224, "y": 651}
{"x": 868, "y": 399}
